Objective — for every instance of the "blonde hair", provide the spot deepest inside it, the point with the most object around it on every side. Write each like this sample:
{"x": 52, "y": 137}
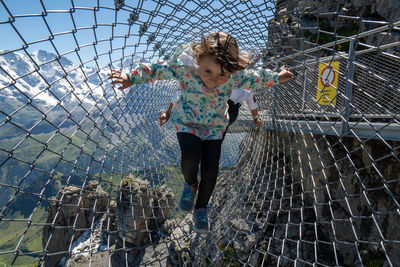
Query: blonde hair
{"x": 224, "y": 48}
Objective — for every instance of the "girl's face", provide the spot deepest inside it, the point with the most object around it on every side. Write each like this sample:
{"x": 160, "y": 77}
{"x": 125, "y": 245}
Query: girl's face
{"x": 211, "y": 72}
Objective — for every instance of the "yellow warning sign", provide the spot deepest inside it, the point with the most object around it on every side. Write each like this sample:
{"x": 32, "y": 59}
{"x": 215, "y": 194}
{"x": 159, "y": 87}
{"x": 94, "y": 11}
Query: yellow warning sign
{"x": 328, "y": 74}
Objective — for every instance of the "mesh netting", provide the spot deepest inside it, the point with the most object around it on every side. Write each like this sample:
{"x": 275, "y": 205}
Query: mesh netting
{"x": 88, "y": 177}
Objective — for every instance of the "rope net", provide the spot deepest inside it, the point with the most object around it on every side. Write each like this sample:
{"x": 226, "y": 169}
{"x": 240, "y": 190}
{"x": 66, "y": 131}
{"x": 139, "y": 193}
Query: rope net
{"x": 88, "y": 177}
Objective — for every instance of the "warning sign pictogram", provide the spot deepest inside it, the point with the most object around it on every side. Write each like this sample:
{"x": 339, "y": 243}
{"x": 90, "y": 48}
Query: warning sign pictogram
{"x": 327, "y": 83}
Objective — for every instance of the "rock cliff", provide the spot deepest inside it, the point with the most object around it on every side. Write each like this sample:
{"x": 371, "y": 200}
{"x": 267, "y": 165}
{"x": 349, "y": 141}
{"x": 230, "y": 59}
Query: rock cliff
{"x": 141, "y": 212}
{"x": 72, "y": 212}
{"x": 85, "y": 226}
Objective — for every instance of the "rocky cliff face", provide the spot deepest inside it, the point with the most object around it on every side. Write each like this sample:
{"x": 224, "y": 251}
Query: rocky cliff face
{"x": 85, "y": 226}
{"x": 141, "y": 212}
{"x": 71, "y": 213}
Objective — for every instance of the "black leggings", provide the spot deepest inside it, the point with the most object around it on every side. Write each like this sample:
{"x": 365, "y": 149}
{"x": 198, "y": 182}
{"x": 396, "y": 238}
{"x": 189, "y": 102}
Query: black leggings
{"x": 233, "y": 114}
{"x": 195, "y": 151}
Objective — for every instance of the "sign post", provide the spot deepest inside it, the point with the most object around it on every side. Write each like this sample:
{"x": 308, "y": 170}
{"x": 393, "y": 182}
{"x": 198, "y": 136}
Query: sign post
{"x": 328, "y": 74}
{"x": 348, "y": 90}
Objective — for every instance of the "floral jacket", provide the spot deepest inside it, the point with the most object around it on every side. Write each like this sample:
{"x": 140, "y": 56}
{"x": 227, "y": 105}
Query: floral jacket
{"x": 200, "y": 111}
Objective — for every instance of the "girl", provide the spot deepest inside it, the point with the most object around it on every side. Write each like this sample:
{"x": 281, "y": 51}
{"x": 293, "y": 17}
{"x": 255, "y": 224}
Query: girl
{"x": 207, "y": 72}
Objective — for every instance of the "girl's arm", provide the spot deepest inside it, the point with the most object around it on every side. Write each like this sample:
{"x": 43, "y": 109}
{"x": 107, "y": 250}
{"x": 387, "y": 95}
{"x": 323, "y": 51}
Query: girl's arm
{"x": 143, "y": 73}
{"x": 260, "y": 78}
{"x": 164, "y": 116}
{"x": 148, "y": 73}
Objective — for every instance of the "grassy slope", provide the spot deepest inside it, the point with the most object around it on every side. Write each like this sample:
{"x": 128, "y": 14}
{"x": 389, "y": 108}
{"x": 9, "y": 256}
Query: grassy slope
{"x": 32, "y": 241}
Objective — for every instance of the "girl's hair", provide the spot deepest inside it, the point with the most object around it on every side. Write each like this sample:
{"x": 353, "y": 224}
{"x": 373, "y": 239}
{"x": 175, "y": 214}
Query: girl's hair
{"x": 224, "y": 48}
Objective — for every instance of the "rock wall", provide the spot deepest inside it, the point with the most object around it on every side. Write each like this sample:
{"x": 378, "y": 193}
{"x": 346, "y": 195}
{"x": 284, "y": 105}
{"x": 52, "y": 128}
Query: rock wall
{"x": 141, "y": 212}
{"x": 132, "y": 223}
{"x": 72, "y": 212}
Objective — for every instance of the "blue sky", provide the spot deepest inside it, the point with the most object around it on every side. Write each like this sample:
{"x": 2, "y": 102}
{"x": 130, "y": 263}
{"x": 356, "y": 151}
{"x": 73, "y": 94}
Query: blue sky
{"x": 31, "y": 25}
{"x": 33, "y": 28}
{"x": 59, "y": 20}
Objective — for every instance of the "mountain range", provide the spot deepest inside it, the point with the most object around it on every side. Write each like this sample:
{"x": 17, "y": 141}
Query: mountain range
{"x": 39, "y": 86}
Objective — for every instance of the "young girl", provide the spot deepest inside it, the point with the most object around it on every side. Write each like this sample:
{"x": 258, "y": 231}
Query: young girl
{"x": 207, "y": 72}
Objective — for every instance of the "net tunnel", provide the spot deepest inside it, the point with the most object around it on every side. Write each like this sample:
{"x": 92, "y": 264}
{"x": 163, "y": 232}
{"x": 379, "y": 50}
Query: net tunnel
{"x": 88, "y": 177}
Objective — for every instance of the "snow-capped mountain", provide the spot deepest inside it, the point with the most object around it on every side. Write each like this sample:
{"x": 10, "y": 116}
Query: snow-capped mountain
{"x": 40, "y": 84}
{"x": 47, "y": 81}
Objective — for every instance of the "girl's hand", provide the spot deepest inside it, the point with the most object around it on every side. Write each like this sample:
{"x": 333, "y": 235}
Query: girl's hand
{"x": 259, "y": 122}
{"x": 285, "y": 75}
{"x": 119, "y": 77}
{"x": 164, "y": 117}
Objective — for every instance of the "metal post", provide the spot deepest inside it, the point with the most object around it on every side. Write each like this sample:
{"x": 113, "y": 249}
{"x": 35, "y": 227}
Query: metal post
{"x": 304, "y": 88}
{"x": 275, "y": 100}
{"x": 348, "y": 91}
{"x": 304, "y": 81}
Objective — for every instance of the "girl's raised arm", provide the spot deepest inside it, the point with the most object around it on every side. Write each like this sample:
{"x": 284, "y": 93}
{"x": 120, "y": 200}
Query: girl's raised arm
{"x": 147, "y": 72}
{"x": 260, "y": 78}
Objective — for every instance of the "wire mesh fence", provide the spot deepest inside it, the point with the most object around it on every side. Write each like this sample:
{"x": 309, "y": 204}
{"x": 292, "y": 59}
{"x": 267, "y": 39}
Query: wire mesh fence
{"x": 88, "y": 177}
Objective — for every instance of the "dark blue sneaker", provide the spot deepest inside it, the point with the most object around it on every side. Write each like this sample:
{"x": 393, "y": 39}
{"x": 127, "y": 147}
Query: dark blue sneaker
{"x": 200, "y": 220}
{"x": 187, "y": 199}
